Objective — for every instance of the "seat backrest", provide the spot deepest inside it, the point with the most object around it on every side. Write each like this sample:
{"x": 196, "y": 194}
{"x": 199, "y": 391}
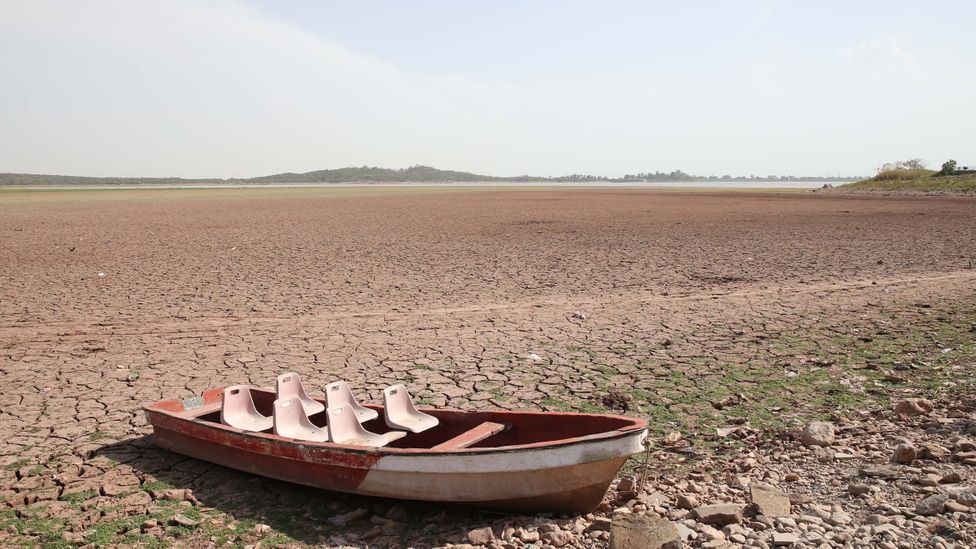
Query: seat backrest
{"x": 289, "y": 385}
{"x": 339, "y": 393}
{"x": 396, "y": 401}
{"x": 343, "y": 423}
{"x": 289, "y": 416}
{"x": 237, "y": 402}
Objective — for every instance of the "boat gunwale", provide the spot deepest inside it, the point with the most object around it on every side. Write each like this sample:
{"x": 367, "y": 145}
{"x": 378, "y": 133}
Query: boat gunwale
{"x": 633, "y": 426}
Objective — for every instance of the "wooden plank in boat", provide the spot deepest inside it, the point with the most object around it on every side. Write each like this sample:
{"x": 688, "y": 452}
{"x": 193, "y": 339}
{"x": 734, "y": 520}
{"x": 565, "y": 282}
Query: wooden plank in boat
{"x": 471, "y": 436}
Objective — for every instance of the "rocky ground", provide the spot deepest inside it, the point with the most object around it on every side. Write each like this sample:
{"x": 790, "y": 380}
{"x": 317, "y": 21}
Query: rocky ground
{"x": 729, "y": 321}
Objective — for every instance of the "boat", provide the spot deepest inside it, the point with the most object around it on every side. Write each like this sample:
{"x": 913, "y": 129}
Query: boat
{"x": 521, "y": 461}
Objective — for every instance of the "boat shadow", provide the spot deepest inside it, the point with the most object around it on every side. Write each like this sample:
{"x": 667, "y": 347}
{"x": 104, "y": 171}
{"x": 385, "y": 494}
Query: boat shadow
{"x": 303, "y": 514}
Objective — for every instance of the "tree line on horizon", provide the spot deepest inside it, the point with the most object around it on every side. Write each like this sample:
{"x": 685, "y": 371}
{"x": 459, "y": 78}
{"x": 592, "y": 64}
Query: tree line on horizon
{"x": 372, "y": 174}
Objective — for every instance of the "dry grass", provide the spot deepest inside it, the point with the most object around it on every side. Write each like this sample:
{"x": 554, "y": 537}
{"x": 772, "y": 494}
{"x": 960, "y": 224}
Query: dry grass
{"x": 901, "y": 174}
{"x": 948, "y": 184}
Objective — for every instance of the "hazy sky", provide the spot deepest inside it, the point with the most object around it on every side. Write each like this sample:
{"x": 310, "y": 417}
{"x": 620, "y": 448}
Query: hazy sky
{"x": 226, "y": 89}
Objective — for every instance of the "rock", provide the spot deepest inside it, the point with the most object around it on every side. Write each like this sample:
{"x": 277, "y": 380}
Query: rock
{"x": 351, "y": 516}
{"x": 858, "y": 489}
{"x": 626, "y": 484}
{"x": 768, "y": 500}
{"x": 914, "y": 407}
{"x": 687, "y": 502}
{"x": 261, "y": 529}
{"x": 599, "y": 524}
{"x": 481, "y": 536}
{"x": 933, "y": 452}
{"x": 956, "y": 507}
{"x": 932, "y": 505}
{"x": 148, "y": 524}
{"x": 183, "y": 520}
{"x": 558, "y": 538}
{"x": 527, "y": 536}
{"x": 630, "y": 531}
{"x": 547, "y": 527}
{"x": 905, "y": 453}
{"x": 876, "y": 519}
{"x": 928, "y": 480}
{"x": 72, "y": 537}
{"x": 711, "y": 532}
{"x": 720, "y": 513}
{"x": 818, "y": 433}
{"x": 840, "y": 518}
{"x": 880, "y": 471}
{"x": 781, "y": 539}
{"x": 398, "y": 512}
{"x": 951, "y": 478}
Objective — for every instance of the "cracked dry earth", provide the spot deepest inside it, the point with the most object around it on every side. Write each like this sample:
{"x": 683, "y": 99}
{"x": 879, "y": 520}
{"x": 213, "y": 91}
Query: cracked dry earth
{"x": 729, "y": 319}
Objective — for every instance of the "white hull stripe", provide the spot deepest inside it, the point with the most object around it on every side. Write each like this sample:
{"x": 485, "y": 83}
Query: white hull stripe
{"x": 516, "y": 460}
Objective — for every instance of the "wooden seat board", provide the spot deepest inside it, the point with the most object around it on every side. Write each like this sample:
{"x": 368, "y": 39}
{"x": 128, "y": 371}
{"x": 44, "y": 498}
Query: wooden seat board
{"x": 471, "y": 436}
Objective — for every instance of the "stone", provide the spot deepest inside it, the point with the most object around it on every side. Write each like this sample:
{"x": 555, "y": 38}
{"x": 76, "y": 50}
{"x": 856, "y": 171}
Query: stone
{"x": 261, "y": 529}
{"x": 784, "y": 539}
{"x": 934, "y": 452}
{"x": 720, "y": 513}
{"x": 711, "y": 532}
{"x": 72, "y": 537}
{"x": 818, "y": 433}
{"x": 630, "y": 531}
{"x": 932, "y": 505}
{"x": 914, "y": 407}
{"x": 599, "y": 524}
{"x": 351, "y": 516}
{"x": 840, "y": 518}
{"x": 558, "y": 538}
{"x": 626, "y": 484}
{"x": 880, "y": 471}
{"x": 905, "y": 453}
{"x": 481, "y": 536}
{"x": 858, "y": 489}
{"x": 770, "y": 501}
{"x": 183, "y": 520}
{"x": 956, "y": 507}
{"x": 951, "y": 478}
{"x": 398, "y": 512}
{"x": 687, "y": 502}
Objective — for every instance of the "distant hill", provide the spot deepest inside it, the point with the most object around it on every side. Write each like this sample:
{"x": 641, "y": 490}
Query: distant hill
{"x": 370, "y": 174}
{"x": 367, "y": 174}
{"x": 342, "y": 175}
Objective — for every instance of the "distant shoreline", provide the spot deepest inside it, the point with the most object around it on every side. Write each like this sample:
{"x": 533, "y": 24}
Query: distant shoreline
{"x": 757, "y": 184}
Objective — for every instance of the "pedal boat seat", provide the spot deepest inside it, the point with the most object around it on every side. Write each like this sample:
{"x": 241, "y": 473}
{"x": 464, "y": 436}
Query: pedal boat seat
{"x": 339, "y": 393}
{"x": 400, "y": 413}
{"x": 290, "y": 421}
{"x": 290, "y": 385}
{"x": 237, "y": 410}
{"x": 345, "y": 428}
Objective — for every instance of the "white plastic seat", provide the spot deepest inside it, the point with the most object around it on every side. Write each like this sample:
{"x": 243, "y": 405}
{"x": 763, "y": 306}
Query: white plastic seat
{"x": 400, "y": 412}
{"x": 237, "y": 410}
{"x": 290, "y": 385}
{"x": 339, "y": 393}
{"x": 345, "y": 428}
{"x": 290, "y": 421}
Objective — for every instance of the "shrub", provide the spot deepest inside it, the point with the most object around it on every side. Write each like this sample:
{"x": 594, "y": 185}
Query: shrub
{"x": 948, "y": 168}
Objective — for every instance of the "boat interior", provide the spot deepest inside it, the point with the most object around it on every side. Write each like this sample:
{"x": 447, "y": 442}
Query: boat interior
{"x": 290, "y": 413}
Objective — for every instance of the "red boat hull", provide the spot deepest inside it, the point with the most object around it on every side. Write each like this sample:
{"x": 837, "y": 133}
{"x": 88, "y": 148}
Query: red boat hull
{"x": 561, "y": 475}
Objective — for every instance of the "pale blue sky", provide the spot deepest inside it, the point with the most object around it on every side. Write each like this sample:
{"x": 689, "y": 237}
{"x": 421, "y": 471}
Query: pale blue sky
{"x": 248, "y": 88}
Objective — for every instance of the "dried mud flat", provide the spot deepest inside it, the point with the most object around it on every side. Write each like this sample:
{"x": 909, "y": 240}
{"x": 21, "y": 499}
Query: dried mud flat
{"x": 731, "y": 320}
